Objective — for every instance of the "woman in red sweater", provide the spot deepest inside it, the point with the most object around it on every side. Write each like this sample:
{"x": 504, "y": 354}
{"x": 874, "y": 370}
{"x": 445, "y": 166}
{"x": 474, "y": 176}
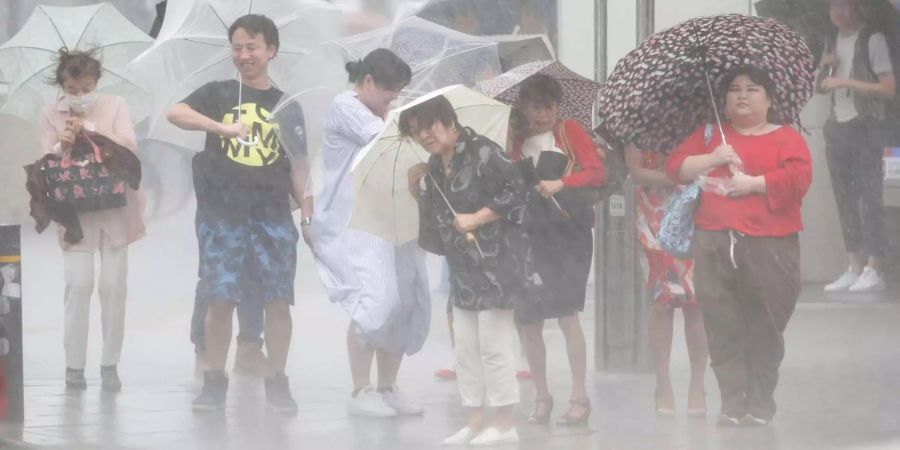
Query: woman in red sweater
{"x": 565, "y": 165}
{"x": 745, "y": 247}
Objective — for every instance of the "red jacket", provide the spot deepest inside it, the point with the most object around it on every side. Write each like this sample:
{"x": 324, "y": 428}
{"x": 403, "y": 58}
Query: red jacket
{"x": 589, "y": 170}
{"x": 781, "y": 156}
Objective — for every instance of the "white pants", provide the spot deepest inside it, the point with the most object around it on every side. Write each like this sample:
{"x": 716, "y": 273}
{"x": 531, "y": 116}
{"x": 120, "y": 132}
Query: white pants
{"x": 485, "y": 359}
{"x": 79, "y": 268}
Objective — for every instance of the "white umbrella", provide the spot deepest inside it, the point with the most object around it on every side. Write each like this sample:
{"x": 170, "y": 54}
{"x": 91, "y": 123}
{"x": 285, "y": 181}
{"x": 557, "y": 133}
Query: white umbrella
{"x": 28, "y": 58}
{"x": 197, "y": 51}
{"x": 438, "y": 56}
{"x": 382, "y": 204}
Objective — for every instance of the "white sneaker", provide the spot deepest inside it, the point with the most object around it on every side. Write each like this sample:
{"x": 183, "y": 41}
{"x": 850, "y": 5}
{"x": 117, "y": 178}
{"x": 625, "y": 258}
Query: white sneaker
{"x": 869, "y": 281}
{"x": 401, "y": 402}
{"x": 461, "y": 437}
{"x": 369, "y": 403}
{"x": 843, "y": 283}
{"x": 493, "y": 436}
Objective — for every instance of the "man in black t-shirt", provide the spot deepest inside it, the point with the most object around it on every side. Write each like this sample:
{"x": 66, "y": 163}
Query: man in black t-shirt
{"x": 246, "y": 235}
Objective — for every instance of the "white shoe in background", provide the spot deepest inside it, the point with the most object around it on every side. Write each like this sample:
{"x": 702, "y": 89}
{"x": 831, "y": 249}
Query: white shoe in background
{"x": 493, "y": 436}
{"x": 401, "y": 402}
{"x": 369, "y": 403}
{"x": 869, "y": 281}
{"x": 843, "y": 283}
{"x": 461, "y": 437}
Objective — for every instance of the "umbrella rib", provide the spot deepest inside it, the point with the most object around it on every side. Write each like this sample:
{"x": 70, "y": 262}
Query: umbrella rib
{"x": 197, "y": 41}
{"x": 216, "y": 13}
{"x": 394, "y": 192}
{"x": 53, "y": 24}
{"x": 84, "y": 30}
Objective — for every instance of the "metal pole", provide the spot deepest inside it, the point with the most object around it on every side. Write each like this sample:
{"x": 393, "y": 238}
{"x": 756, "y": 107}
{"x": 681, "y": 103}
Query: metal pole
{"x": 11, "y": 384}
{"x": 600, "y": 74}
{"x": 646, "y": 19}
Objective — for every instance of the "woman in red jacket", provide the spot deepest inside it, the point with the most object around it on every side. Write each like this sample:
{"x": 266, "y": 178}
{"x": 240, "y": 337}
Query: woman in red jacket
{"x": 745, "y": 247}
{"x": 564, "y": 161}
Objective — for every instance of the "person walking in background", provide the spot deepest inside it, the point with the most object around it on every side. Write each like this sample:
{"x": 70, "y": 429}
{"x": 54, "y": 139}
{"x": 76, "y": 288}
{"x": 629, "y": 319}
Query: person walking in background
{"x": 746, "y": 246}
{"x": 488, "y": 200}
{"x": 360, "y": 271}
{"x": 79, "y": 111}
{"x": 246, "y": 234}
{"x": 566, "y": 163}
{"x": 669, "y": 285}
{"x": 858, "y": 75}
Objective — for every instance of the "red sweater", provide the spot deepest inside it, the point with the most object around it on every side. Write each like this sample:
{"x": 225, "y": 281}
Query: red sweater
{"x": 590, "y": 171}
{"x": 781, "y": 156}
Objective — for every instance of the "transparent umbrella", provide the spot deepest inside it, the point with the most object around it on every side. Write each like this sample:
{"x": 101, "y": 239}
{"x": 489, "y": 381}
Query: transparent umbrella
{"x": 198, "y": 52}
{"x": 28, "y": 58}
{"x": 438, "y": 56}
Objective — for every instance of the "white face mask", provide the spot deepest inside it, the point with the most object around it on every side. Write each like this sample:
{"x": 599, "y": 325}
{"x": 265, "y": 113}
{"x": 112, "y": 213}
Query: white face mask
{"x": 81, "y": 104}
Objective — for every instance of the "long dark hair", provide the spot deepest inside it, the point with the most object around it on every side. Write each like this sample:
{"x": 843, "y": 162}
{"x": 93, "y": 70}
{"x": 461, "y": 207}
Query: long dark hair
{"x": 385, "y": 67}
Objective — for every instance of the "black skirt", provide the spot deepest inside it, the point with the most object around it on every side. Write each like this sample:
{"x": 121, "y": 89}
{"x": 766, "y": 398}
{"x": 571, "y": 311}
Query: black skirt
{"x": 561, "y": 255}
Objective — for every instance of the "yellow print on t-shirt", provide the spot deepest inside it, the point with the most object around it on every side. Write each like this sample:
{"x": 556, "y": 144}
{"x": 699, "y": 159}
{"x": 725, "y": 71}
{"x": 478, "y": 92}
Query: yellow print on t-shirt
{"x": 267, "y": 149}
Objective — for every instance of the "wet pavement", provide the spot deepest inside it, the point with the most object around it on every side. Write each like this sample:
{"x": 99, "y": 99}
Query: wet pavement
{"x": 839, "y": 389}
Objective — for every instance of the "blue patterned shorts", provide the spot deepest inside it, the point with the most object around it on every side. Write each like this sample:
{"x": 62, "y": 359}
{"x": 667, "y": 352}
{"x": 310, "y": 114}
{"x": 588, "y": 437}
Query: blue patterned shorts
{"x": 246, "y": 261}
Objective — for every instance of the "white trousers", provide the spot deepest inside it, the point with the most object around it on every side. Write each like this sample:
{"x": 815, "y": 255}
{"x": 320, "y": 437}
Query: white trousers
{"x": 79, "y": 273}
{"x": 485, "y": 357}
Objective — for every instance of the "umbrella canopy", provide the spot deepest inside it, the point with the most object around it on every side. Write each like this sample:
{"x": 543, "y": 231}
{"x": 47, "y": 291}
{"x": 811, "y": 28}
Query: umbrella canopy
{"x": 28, "y": 58}
{"x": 807, "y": 17}
{"x": 517, "y": 49}
{"x": 579, "y": 92}
{"x": 198, "y": 52}
{"x": 658, "y": 93}
{"x": 438, "y": 56}
{"x": 382, "y": 204}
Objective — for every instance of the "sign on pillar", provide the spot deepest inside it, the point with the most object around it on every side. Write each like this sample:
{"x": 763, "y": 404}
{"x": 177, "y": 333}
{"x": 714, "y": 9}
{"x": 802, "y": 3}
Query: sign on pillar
{"x": 12, "y": 406}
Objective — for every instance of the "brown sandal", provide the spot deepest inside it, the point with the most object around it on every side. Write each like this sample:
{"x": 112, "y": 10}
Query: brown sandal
{"x": 568, "y": 420}
{"x": 542, "y": 409}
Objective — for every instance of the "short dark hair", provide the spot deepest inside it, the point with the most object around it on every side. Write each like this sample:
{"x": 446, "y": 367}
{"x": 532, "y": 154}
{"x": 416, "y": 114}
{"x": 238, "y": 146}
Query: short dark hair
{"x": 255, "y": 24}
{"x": 387, "y": 69}
{"x": 76, "y": 64}
{"x": 437, "y": 109}
{"x": 756, "y": 75}
{"x": 539, "y": 89}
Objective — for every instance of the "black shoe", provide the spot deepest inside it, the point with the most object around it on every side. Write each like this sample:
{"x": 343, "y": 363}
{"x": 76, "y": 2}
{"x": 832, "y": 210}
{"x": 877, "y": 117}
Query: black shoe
{"x": 278, "y": 395}
{"x": 75, "y": 379}
{"x": 212, "y": 396}
{"x": 109, "y": 377}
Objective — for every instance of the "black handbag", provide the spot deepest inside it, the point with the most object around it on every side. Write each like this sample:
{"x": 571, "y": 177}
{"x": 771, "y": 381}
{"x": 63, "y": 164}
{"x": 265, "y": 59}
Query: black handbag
{"x": 79, "y": 181}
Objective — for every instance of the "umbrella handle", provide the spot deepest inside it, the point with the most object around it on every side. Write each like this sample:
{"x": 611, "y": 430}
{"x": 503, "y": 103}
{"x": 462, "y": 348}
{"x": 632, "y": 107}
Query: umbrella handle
{"x": 712, "y": 100}
{"x": 251, "y": 143}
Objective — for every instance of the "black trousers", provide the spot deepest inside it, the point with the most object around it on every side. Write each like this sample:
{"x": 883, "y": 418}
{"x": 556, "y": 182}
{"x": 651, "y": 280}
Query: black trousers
{"x": 745, "y": 311}
{"x": 854, "y": 152}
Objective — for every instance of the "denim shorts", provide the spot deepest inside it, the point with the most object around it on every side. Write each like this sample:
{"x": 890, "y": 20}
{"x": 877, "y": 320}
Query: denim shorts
{"x": 248, "y": 260}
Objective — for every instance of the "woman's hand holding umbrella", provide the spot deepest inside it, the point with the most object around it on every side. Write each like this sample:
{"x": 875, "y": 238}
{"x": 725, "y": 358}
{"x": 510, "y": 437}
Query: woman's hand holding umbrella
{"x": 547, "y": 188}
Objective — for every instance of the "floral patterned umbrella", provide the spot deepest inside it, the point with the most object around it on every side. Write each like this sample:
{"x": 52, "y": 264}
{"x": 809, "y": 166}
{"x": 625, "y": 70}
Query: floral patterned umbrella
{"x": 579, "y": 92}
{"x": 658, "y": 94}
